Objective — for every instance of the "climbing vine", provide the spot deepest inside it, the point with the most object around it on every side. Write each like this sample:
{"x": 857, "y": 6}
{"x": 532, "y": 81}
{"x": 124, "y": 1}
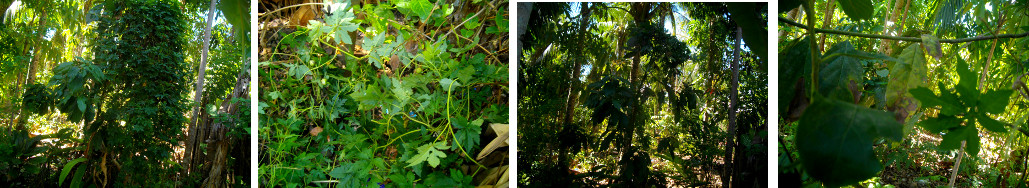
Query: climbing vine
{"x": 389, "y": 94}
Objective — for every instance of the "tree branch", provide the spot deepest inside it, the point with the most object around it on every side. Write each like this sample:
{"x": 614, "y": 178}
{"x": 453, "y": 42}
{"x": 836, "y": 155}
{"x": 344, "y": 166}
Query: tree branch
{"x": 909, "y": 39}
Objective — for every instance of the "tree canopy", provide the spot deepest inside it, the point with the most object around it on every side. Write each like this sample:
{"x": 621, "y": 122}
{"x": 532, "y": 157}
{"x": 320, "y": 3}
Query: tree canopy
{"x": 641, "y": 94}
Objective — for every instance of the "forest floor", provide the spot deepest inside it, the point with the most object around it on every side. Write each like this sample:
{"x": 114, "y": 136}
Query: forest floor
{"x": 923, "y": 166}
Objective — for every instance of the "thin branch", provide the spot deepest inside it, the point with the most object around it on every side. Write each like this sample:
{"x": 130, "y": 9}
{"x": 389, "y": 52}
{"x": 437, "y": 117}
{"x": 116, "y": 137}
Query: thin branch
{"x": 909, "y": 39}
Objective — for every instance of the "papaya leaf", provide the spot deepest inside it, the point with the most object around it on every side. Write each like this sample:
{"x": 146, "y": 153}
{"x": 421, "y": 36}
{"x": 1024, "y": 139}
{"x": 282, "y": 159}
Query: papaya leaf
{"x": 835, "y": 138}
{"x": 939, "y": 124}
{"x": 967, "y": 84}
{"x": 994, "y": 101}
{"x": 991, "y": 124}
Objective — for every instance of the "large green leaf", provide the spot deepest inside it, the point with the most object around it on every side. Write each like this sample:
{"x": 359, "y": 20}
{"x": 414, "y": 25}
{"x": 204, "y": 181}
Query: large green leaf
{"x": 948, "y": 105}
{"x": 67, "y": 169}
{"x": 991, "y": 124}
{"x": 755, "y": 33}
{"x": 787, "y": 5}
{"x": 841, "y": 75}
{"x": 994, "y": 101}
{"x": 857, "y": 9}
{"x": 237, "y": 13}
{"x": 967, "y": 83}
{"x": 794, "y": 64}
{"x": 909, "y": 73}
{"x": 834, "y": 140}
{"x": 936, "y": 125}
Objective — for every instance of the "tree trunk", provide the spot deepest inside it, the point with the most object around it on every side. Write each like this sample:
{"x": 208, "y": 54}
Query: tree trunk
{"x": 573, "y": 88}
{"x": 887, "y": 45}
{"x": 31, "y": 77}
{"x": 222, "y": 144}
{"x": 191, "y": 146}
{"x": 524, "y": 13}
{"x": 730, "y": 142}
{"x": 830, "y": 9}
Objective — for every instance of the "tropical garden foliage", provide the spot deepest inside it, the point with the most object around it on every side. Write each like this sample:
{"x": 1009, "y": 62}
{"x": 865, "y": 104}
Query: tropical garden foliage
{"x": 903, "y": 93}
{"x": 383, "y": 94}
{"x": 96, "y": 94}
{"x": 642, "y": 94}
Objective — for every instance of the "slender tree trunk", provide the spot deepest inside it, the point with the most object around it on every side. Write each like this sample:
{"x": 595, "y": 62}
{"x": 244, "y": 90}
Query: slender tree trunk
{"x": 886, "y": 45}
{"x": 30, "y": 78}
{"x": 573, "y": 88}
{"x": 730, "y": 142}
{"x": 524, "y": 13}
{"x": 198, "y": 94}
{"x": 830, "y": 9}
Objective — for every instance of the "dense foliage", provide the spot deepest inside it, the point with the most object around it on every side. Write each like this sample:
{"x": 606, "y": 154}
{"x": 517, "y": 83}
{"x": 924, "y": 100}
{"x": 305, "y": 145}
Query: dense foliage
{"x": 96, "y": 92}
{"x": 898, "y": 93}
{"x": 654, "y": 81}
{"x": 387, "y": 94}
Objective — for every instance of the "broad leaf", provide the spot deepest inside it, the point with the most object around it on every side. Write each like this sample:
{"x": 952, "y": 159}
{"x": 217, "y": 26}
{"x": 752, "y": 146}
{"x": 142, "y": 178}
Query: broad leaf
{"x": 835, "y": 138}
{"x": 840, "y": 76}
{"x": 794, "y": 64}
{"x": 905, "y": 75}
{"x": 857, "y": 9}
{"x": 994, "y": 101}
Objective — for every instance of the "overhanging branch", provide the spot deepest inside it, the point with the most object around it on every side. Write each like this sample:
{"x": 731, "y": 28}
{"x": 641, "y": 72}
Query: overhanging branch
{"x": 909, "y": 39}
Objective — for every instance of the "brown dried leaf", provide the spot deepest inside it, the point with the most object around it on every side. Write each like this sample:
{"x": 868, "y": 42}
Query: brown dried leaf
{"x": 314, "y": 131}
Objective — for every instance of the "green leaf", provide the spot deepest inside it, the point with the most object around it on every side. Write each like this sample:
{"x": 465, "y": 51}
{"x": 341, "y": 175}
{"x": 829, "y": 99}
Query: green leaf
{"x": 907, "y": 74}
{"x": 468, "y": 133}
{"x": 967, "y": 84}
{"x": 929, "y": 99}
{"x": 835, "y": 138}
{"x": 274, "y": 95}
{"x": 952, "y": 139}
{"x": 755, "y": 34}
{"x": 991, "y": 124}
{"x": 472, "y": 23}
{"x": 936, "y": 125}
{"x": 448, "y": 84}
{"x": 429, "y": 152}
{"x": 342, "y": 22}
{"x": 403, "y": 93}
{"x": 422, "y": 8}
{"x": 995, "y": 101}
{"x": 857, "y": 9}
{"x": 237, "y": 13}
{"x": 841, "y": 73}
{"x": 794, "y": 64}
{"x": 82, "y": 104}
{"x": 67, "y": 169}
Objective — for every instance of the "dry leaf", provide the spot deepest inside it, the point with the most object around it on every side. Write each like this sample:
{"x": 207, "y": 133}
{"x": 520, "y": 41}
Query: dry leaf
{"x": 314, "y": 131}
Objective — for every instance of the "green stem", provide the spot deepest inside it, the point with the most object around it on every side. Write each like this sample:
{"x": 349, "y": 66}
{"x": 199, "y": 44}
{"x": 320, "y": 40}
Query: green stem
{"x": 908, "y": 39}
{"x": 810, "y": 12}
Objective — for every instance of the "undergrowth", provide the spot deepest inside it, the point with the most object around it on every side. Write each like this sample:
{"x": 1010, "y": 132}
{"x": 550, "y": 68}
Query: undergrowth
{"x": 412, "y": 103}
